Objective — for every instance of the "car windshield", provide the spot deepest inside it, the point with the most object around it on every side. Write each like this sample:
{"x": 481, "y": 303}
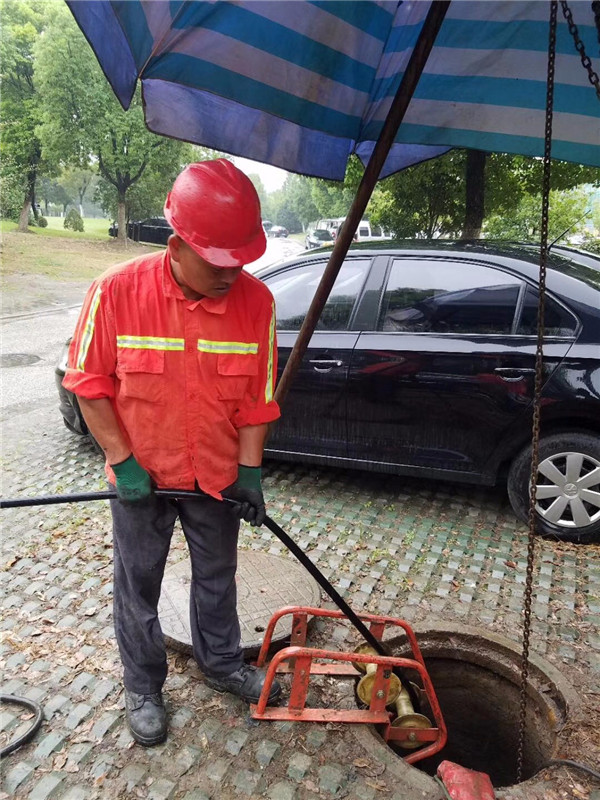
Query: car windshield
{"x": 323, "y": 236}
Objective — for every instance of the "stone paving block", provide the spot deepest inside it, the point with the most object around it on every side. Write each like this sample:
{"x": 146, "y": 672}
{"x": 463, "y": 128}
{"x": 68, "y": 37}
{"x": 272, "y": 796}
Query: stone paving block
{"x": 77, "y": 793}
{"x": 16, "y": 775}
{"x": 47, "y": 787}
{"x": 282, "y": 790}
{"x": 162, "y": 789}
{"x": 265, "y": 752}
{"x": 332, "y": 779}
{"x": 101, "y": 691}
{"x": 77, "y": 715}
{"x": 246, "y": 781}
{"x": 83, "y": 681}
{"x": 52, "y": 742}
{"x": 132, "y": 774}
{"x": 364, "y": 792}
{"x": 106, "y": 724}
{"x": 56, "y": 703}
{"x": 216, "y": 769}
{"x": 195, "y": 794}
{"x": 299, "y": 765}
{"x": 15, "y": 660}
{"x": 236, "y": 741}
{"x": 181, "y": 718}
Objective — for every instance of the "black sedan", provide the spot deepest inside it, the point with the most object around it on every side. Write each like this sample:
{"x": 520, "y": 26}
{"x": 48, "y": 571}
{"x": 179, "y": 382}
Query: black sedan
{"x": 423, "y": 364}
{"x": 153, "y": 230}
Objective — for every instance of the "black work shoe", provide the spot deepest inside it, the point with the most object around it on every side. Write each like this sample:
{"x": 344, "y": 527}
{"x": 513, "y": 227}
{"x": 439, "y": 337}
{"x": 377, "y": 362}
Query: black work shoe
{"x": 146, "y": 717}
{"x": 246, "y": 682}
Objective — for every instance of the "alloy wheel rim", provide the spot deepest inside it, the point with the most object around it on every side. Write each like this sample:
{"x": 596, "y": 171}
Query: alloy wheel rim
{"x": 568, "y": 490}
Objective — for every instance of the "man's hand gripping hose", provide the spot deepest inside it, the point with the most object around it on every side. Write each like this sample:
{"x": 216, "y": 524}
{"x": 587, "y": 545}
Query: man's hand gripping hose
{"x": 176, "y": 494}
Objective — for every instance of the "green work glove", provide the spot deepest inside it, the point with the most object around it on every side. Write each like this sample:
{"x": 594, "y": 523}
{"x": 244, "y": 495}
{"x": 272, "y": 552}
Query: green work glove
{"x": 133, "y": 482}
{"x": 247, "y": 492}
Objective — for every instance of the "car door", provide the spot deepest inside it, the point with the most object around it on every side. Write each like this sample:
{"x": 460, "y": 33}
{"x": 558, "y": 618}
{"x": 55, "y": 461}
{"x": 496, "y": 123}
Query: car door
{"x": 313, "y": 417}
{"x": 446, "y": 373}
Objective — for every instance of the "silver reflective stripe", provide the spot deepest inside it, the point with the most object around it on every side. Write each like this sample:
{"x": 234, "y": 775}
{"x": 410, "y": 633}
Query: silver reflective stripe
{"x": 239, "y": 348}
{"x": 88, "y": 331}
{"x": 149, "y": 343}
{"x": 269, "y": 386}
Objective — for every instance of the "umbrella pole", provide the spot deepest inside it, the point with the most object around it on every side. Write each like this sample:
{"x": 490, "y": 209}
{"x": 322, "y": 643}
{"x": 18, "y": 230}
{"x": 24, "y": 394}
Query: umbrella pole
{"x": 409, "y": 82}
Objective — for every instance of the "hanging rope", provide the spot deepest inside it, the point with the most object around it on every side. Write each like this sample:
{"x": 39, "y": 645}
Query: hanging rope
{"x": 537, "y": 394}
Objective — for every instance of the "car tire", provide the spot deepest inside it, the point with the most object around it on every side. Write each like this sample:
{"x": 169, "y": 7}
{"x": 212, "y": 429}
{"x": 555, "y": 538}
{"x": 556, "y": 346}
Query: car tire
{"x": 562, "y": 510}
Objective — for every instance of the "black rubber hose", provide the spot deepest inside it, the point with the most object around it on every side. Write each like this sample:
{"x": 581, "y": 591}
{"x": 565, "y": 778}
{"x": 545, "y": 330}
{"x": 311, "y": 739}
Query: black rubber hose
{"x": 274, "y": 528}
{"x": 31, "y": 731}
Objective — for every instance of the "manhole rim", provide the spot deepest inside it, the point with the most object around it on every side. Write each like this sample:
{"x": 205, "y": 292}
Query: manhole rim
{"x": 409, "y": 777}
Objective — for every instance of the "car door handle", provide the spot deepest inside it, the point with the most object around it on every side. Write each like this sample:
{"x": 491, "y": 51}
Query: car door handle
{"x": 325, "y": 364}
{"x": 513, "y": 373}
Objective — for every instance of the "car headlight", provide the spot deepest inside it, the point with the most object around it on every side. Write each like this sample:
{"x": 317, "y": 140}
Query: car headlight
{"x": 63, "y": 360}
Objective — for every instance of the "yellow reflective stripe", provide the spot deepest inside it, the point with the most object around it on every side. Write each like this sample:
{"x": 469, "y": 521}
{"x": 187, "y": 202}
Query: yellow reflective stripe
{"x": 149, "y": 343}
{"x": 269, "y": 386}
{"x": 88, "y": 331}
{"x": 239, "y": 348}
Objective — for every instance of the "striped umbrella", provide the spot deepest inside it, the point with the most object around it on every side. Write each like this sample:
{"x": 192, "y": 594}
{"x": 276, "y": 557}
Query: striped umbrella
{"x": 302, "y": 85}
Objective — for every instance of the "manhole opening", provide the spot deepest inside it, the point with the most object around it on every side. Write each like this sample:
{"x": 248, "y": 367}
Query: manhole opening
{"x": 477, "y": 687}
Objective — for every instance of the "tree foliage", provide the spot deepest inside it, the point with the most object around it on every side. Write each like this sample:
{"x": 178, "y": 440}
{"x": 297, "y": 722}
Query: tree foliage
{"x": 73, "y": 221}
{"x": 567, "y": 214}
{"x": 429, "y": 200}
{"x": 83, "y": 123}
{"x": 22, "y": 23}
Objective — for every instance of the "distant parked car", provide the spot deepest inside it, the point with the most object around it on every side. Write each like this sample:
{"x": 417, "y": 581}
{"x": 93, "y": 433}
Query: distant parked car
{"x": 320, "y": 237}
{"x": 154, "y": 230}
{"x": 277, "y": 232}
{"x": 422, "y": 363}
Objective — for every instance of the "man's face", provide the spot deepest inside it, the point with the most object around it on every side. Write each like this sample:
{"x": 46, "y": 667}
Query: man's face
{"x": 196, "y": 277}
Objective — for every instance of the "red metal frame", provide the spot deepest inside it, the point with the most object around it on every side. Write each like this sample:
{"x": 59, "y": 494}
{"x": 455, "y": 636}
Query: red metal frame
{"x": 300, "y": 661}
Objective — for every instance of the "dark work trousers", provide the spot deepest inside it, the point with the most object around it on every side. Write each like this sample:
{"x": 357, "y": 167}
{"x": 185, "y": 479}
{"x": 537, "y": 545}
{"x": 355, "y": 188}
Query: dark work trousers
{"x": 141, "y": 537}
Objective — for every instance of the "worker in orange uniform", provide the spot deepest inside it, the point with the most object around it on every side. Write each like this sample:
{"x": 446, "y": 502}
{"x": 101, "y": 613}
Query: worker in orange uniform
{"x": 174, "y": 363}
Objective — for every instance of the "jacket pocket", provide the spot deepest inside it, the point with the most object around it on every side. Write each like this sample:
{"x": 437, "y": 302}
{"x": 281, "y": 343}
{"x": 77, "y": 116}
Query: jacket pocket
{"x": 141, "y": 373}
{"x": 234, "y": 372}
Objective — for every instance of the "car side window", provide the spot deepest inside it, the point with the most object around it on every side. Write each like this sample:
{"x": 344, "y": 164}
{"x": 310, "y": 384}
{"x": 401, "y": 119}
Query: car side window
{"x": 294, "y": 289}
{"x": 431, "y": 296}
{"x": 557, "y": 320}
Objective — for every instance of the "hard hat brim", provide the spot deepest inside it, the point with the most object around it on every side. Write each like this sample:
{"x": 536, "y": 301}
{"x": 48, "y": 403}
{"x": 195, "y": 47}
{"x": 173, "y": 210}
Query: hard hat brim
{"x": 221, "y": 256}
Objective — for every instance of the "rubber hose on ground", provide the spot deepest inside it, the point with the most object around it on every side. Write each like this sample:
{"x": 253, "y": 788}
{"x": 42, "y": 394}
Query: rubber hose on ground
{"x": 30, "y": 733}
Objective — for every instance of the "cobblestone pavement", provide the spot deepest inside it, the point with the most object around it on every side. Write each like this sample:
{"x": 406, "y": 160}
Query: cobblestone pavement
{"x": 421, "y": 550}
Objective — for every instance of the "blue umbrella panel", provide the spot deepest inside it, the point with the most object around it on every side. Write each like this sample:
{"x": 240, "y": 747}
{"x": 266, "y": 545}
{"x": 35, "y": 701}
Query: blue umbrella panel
{"x": 302, "y": 85}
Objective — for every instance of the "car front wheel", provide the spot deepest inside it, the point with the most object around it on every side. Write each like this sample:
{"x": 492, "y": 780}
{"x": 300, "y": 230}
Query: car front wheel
{"x": 568, "y": 486}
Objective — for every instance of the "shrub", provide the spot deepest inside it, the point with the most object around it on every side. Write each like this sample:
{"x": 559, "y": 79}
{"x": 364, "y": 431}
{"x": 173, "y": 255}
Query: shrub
{"x": 42, "y": 222}
{"x": 73, "y": 221}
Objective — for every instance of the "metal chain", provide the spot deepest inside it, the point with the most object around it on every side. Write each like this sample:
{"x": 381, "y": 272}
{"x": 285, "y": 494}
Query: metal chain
{"x": 539, "y": 367}
{"x": 580, "y": 47}
{"x": 596, "y": 10}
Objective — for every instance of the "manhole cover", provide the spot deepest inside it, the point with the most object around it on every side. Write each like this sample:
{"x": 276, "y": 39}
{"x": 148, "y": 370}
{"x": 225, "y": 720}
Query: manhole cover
{"x": 18, "y": 359}
{"x": 265, "y": 583}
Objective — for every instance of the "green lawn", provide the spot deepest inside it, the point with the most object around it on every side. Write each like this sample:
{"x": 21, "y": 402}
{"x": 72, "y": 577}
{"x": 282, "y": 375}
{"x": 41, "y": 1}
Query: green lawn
{"x": 93, "y": 228}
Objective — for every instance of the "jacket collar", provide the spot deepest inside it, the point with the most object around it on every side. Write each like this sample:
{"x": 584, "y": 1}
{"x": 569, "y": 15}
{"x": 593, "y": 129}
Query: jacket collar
{"x": 214, "y": 305}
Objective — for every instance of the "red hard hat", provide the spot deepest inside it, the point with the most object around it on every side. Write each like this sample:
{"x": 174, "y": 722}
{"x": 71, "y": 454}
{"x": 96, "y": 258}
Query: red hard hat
{"x": 215, "y": 209}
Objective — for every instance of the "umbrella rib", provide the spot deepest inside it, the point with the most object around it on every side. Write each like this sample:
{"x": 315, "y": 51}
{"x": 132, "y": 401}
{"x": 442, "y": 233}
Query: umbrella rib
{"x": 159, "y": 43}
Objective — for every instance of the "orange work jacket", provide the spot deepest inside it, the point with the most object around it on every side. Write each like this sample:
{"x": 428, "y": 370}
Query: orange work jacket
{"x": 182, "y": 375}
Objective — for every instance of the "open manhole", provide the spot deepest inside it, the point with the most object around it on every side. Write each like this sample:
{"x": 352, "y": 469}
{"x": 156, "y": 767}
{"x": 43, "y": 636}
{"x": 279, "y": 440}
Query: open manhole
{"x": 476, "y": 677}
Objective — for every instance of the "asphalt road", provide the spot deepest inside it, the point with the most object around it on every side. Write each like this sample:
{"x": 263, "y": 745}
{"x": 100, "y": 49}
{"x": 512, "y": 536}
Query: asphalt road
{"x": 32, "y": 342}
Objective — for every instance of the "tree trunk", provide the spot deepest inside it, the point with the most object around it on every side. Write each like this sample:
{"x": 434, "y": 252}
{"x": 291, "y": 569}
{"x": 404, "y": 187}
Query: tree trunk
{"x": 475, "y": 186}
{"x": 121, "y": 219}
{"x": 24, "y": 217}
{"x": 28, "y": 202}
